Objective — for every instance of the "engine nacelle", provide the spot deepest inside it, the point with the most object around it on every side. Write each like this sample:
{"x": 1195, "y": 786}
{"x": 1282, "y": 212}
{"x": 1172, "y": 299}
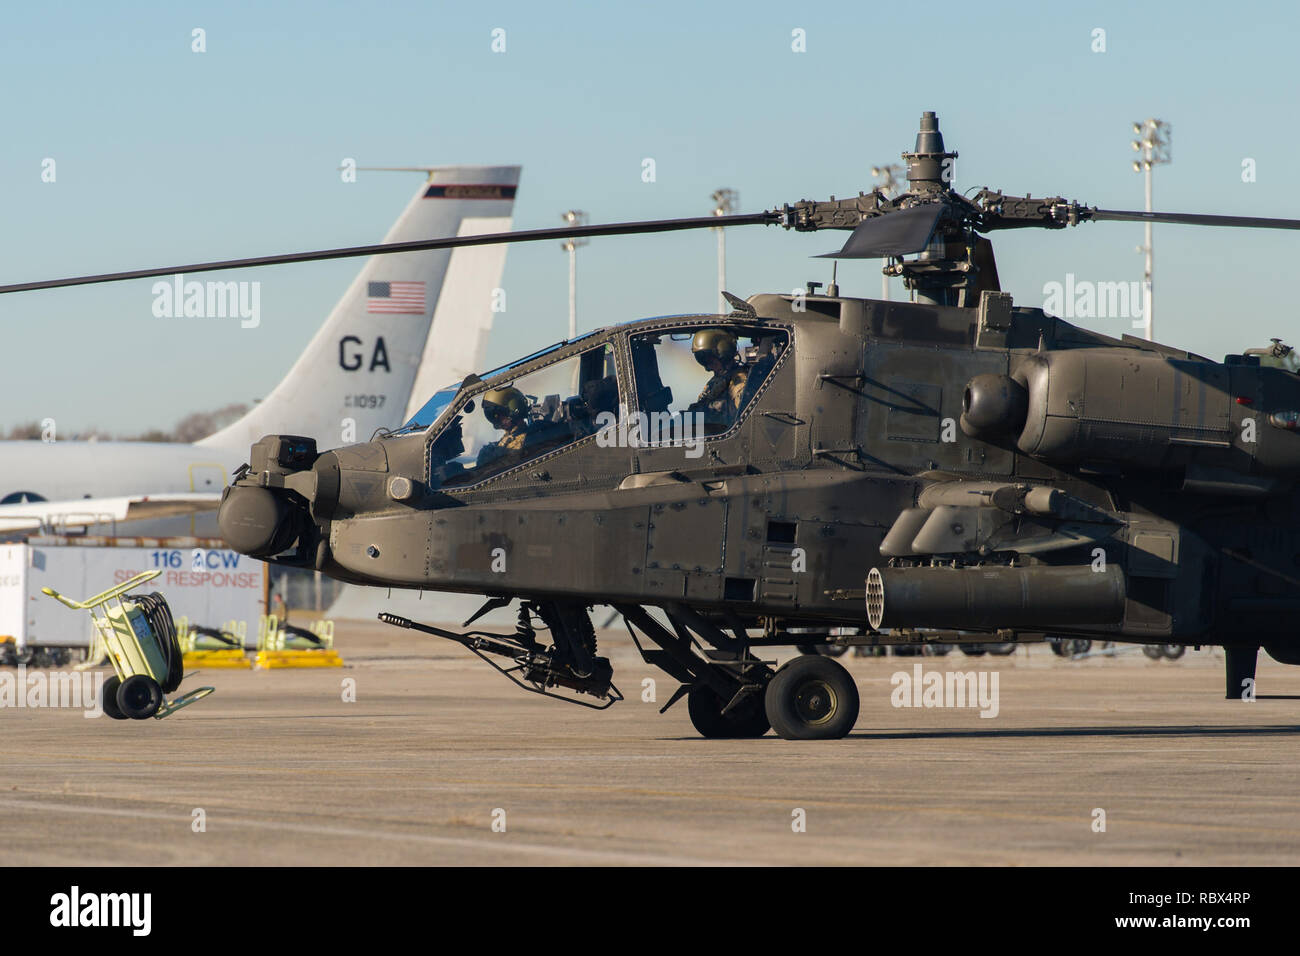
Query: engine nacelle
{"x": 1134, "y": 408}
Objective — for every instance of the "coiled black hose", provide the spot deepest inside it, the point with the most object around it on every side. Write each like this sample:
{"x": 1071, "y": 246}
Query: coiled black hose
{"x": 159, "y": 615}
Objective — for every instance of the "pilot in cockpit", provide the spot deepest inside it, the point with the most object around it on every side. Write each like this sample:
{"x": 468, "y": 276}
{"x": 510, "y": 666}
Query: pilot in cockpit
{"x": 506, "y": 409}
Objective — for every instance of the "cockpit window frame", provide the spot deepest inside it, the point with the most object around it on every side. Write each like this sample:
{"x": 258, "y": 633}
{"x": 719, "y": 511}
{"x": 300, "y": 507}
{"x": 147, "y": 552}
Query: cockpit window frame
{"x": 694, "y": 324}
{"x": 508, "y": 375}
{"x": 405, "y": 428}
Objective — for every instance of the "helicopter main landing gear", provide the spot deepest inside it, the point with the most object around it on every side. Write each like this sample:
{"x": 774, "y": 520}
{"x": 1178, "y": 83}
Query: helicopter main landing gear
{"x": 731, "y": 694}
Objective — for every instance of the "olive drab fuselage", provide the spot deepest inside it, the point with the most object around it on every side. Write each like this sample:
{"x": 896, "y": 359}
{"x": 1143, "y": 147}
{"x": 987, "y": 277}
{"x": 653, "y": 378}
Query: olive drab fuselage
{"x": 1096, "y": 486}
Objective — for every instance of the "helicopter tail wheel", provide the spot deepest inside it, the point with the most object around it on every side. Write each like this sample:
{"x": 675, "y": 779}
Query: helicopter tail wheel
{"x": 812, "y": 698}
{"x": 746, "y": 719}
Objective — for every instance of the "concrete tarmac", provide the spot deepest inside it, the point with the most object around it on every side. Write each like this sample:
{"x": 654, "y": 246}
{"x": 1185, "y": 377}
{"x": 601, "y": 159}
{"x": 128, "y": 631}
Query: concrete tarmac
{"x": 436, "y": 747}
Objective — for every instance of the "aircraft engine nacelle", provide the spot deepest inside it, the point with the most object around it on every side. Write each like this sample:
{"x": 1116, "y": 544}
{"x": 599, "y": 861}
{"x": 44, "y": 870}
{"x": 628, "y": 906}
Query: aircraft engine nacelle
{"x": 995, "y": 597}
{"x": 264, "y": 511}
{"x": 1225, "y": 425}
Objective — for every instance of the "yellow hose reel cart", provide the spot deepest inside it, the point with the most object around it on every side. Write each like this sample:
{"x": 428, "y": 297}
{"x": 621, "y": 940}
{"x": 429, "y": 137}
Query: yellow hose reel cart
{"x": 140, "y": 636}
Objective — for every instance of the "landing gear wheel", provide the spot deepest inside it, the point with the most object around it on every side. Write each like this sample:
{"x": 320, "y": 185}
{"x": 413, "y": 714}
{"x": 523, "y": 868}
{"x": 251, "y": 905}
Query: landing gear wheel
{"x": 746, "y": 720}
{"x": 812, "y": 698}
{"x": 139, "y": 697}
{"x": 1002, "y": 650}
{"x": 108, "y": 696}
{"x": 974, "y": 650}
{"x": 1154, "y": 651}
{"x": 1174, "y": 651}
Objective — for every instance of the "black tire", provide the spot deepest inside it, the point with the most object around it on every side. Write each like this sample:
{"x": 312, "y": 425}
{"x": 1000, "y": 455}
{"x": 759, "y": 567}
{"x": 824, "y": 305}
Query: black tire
{"x": 108, "y": 696}
{"x": 1174, "y": 651}
{"x": 974, "y": 650}
{"x": 812, "y": 698}
{"x": 938, "y": 650}
{"x": 1153, "y": 651}
{"x": 705, "y": 707}
{"x": 139, "y": 697}
{"x": 1005, "y": 649}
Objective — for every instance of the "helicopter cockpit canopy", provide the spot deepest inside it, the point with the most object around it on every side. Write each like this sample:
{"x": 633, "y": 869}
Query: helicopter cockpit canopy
{"x": 428, "y": 413}
{"x": 549, "y": 408}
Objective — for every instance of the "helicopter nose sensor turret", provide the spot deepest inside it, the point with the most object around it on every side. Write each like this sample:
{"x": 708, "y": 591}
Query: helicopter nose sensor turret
{"x": 257, "y": 521}
{"x": 271, "y": 503}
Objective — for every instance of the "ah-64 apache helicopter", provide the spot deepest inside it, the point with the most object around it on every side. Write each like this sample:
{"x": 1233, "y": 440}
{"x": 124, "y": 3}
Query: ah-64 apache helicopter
{"x": 810, "y": 462}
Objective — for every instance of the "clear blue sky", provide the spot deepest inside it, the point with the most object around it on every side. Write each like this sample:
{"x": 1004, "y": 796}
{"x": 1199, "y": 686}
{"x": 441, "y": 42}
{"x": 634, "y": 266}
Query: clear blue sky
{"x": 166, "y": 155}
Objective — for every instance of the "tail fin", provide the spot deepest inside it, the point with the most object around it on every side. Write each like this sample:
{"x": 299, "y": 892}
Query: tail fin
{"x": 360, "y": 370}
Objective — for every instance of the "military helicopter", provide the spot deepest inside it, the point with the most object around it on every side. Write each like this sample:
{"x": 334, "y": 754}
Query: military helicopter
{"x": 909, "y": 471}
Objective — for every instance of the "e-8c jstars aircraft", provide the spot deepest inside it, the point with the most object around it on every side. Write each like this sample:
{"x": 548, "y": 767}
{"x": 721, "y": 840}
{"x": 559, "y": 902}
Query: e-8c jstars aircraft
{"x": 819, "y": 461}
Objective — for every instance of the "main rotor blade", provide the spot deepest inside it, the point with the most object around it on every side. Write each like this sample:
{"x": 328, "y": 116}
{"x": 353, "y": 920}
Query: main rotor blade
{"x": 415, "y": 245}
{"x": 1193, "y": 219}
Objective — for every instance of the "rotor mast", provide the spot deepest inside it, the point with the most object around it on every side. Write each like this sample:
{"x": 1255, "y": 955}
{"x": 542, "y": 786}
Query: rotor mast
{"x": 942, "y": 268}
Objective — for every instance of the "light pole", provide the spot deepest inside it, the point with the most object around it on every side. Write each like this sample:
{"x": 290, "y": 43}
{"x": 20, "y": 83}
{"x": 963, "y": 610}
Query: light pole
{"x": 725, "y": 202}
{"x": 1152, "y": 147}
{"x": 891, "y": 184}
{"x": 574, "y": 217}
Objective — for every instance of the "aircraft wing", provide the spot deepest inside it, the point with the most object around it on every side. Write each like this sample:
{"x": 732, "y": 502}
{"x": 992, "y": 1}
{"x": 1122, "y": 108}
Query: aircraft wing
{"x": 58, "y": 515}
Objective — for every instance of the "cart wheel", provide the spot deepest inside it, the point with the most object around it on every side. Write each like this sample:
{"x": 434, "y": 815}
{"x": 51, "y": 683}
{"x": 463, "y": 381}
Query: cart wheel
{"x": 139, "y": 697}
{"x": 705, "y": 708}
{"x": 108, "y": 696}
{"x": 812, "y": 698}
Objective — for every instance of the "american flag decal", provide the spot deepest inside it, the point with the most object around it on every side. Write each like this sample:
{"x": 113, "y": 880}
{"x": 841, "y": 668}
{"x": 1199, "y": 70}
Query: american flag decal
{"x": 404, "y": 298}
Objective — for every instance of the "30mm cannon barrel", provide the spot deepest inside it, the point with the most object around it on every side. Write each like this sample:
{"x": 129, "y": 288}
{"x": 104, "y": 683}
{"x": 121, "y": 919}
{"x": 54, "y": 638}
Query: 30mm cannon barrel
{"x": 994, "y": 597}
